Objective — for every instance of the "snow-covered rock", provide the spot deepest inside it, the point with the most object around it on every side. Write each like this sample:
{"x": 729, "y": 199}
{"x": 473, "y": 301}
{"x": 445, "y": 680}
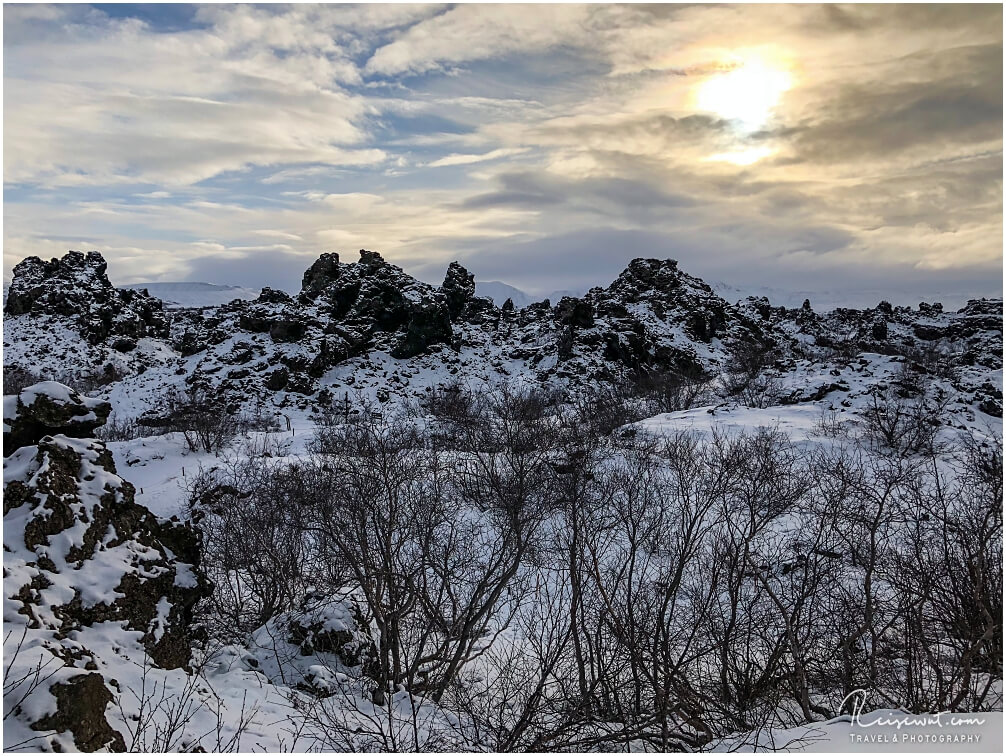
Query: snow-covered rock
{"x": 368, "y": 328}
{"x": 83, "y": 562}
{"x": 75, "y": 286}
{"x": 50, "y": 408}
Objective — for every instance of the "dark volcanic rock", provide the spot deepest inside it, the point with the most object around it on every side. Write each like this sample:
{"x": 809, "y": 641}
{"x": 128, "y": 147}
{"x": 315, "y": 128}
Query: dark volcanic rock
{"x": 76, "y": 286}
{"x": 429, "y": 323}
{"x": 573, "y": 311}
{"x": 70, "y": 506}
{"x": 80, "y": 710}
{"x": 50, "y": 408}
{"x": 458, "y": 288}
{"x": 322, "y": 274}
{"x": 274, "y": 296}
{"x": 83, "y": 560}
{"x": 653, "y": 319}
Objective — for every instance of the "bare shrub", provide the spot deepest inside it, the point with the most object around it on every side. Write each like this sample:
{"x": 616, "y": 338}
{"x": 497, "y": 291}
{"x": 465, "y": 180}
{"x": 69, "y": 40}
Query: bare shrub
{"x": 200, "y": 417}
{"x": 534, "y": 585}
{"x": 905, "y": 424}
{"x": 160, "y": 720}
{"x": 829, "y": 424}
{"x": 951, "y": 575}
{"x": 17, "y": 378}
{"x": 250, "y": 514}
{"x": 450, "y": 402}
{"x": 672, "y": 391}
{"x": 604, "y": 409}
{"x": 118, "y": 428}
{"x": 747, "y": 377}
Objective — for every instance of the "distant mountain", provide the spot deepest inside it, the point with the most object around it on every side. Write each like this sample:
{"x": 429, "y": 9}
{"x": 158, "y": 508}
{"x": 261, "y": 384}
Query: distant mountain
{"x": 176, "y": 294}
{"x": 500, "y": 292}
{"x": 826, "y": 301}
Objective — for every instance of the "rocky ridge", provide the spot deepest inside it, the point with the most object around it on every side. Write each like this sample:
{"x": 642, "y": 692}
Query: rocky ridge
{"x": 368, "y": 326}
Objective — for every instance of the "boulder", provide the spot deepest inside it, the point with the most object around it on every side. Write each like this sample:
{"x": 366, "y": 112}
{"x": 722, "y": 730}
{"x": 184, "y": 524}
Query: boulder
{"x": 50, "y": 408}
{"x": 80, "y": 710}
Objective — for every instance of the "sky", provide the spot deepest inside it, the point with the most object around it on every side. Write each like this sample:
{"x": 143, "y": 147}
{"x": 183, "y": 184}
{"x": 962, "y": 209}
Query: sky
{"x": 795, "y": 147}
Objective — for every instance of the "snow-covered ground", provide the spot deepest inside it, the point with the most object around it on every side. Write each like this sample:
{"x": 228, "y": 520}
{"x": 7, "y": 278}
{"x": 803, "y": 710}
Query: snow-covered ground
{"x": 880, "y": 731}
{"x": 815, "y": 389}
{"x": 245, "y": 678}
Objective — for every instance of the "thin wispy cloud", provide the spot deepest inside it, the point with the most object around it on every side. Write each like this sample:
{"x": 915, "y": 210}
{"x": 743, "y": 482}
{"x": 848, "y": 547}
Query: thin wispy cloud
{"x": 543, "y": 145}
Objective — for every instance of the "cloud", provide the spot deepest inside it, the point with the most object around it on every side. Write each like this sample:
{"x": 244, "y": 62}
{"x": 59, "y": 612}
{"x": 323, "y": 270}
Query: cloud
{"x": 253, "y": 268}
{"x": 459, "y": 159}
{"x": 595, "y": 256}
{"x": 958, "y": 105}
{"x": 236, "y": 142}
{"x": 98, "y": 101}
{"x": 465, "y": 33}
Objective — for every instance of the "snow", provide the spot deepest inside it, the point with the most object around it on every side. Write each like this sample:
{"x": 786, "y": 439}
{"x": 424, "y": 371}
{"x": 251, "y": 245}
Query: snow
{"x": 262, "y": 677}
{"x": 176, "y": 294}
{"x": 798, "y": 421}
{"x": 55, "y": 391}
{"x": 9, "y": 410}
{"x": 881, "y": 730}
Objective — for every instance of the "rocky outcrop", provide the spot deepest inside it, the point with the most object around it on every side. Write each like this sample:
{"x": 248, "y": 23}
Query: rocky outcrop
{"x": 343, "y": 310}
{"x": 322, "y": 274}
{"x": 80, "y": 710}
{"x": 458, "y": 289}
{"x": 80, "y": 554}
{"x": 653, "y": 319}
{"x": 75, "y": 286}
{"x": 50, "y": 408}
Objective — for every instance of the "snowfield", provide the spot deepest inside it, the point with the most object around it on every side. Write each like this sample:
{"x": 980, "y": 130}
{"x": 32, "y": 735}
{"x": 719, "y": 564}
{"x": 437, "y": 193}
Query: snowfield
{"x": 387, "y": 516}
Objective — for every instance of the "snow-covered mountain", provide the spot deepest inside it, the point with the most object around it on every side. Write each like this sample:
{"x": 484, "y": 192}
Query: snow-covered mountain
{"x": 500, "y": 292}
{"x": 177, "y": 294}
{"x": 826, "y": 300}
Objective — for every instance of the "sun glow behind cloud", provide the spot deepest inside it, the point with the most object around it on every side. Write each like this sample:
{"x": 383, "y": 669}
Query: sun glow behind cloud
{"x": 748, "y": 156}
{"x": 865, "y": 141}
{"x": 747, "y": 94}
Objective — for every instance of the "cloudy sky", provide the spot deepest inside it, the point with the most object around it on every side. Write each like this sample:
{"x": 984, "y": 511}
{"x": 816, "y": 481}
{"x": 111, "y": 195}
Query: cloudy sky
{"x": 810, "y": 147}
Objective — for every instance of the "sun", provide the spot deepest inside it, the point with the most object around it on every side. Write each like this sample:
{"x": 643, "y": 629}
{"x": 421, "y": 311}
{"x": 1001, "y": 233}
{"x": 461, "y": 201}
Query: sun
{"x": 747, "y": 94}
